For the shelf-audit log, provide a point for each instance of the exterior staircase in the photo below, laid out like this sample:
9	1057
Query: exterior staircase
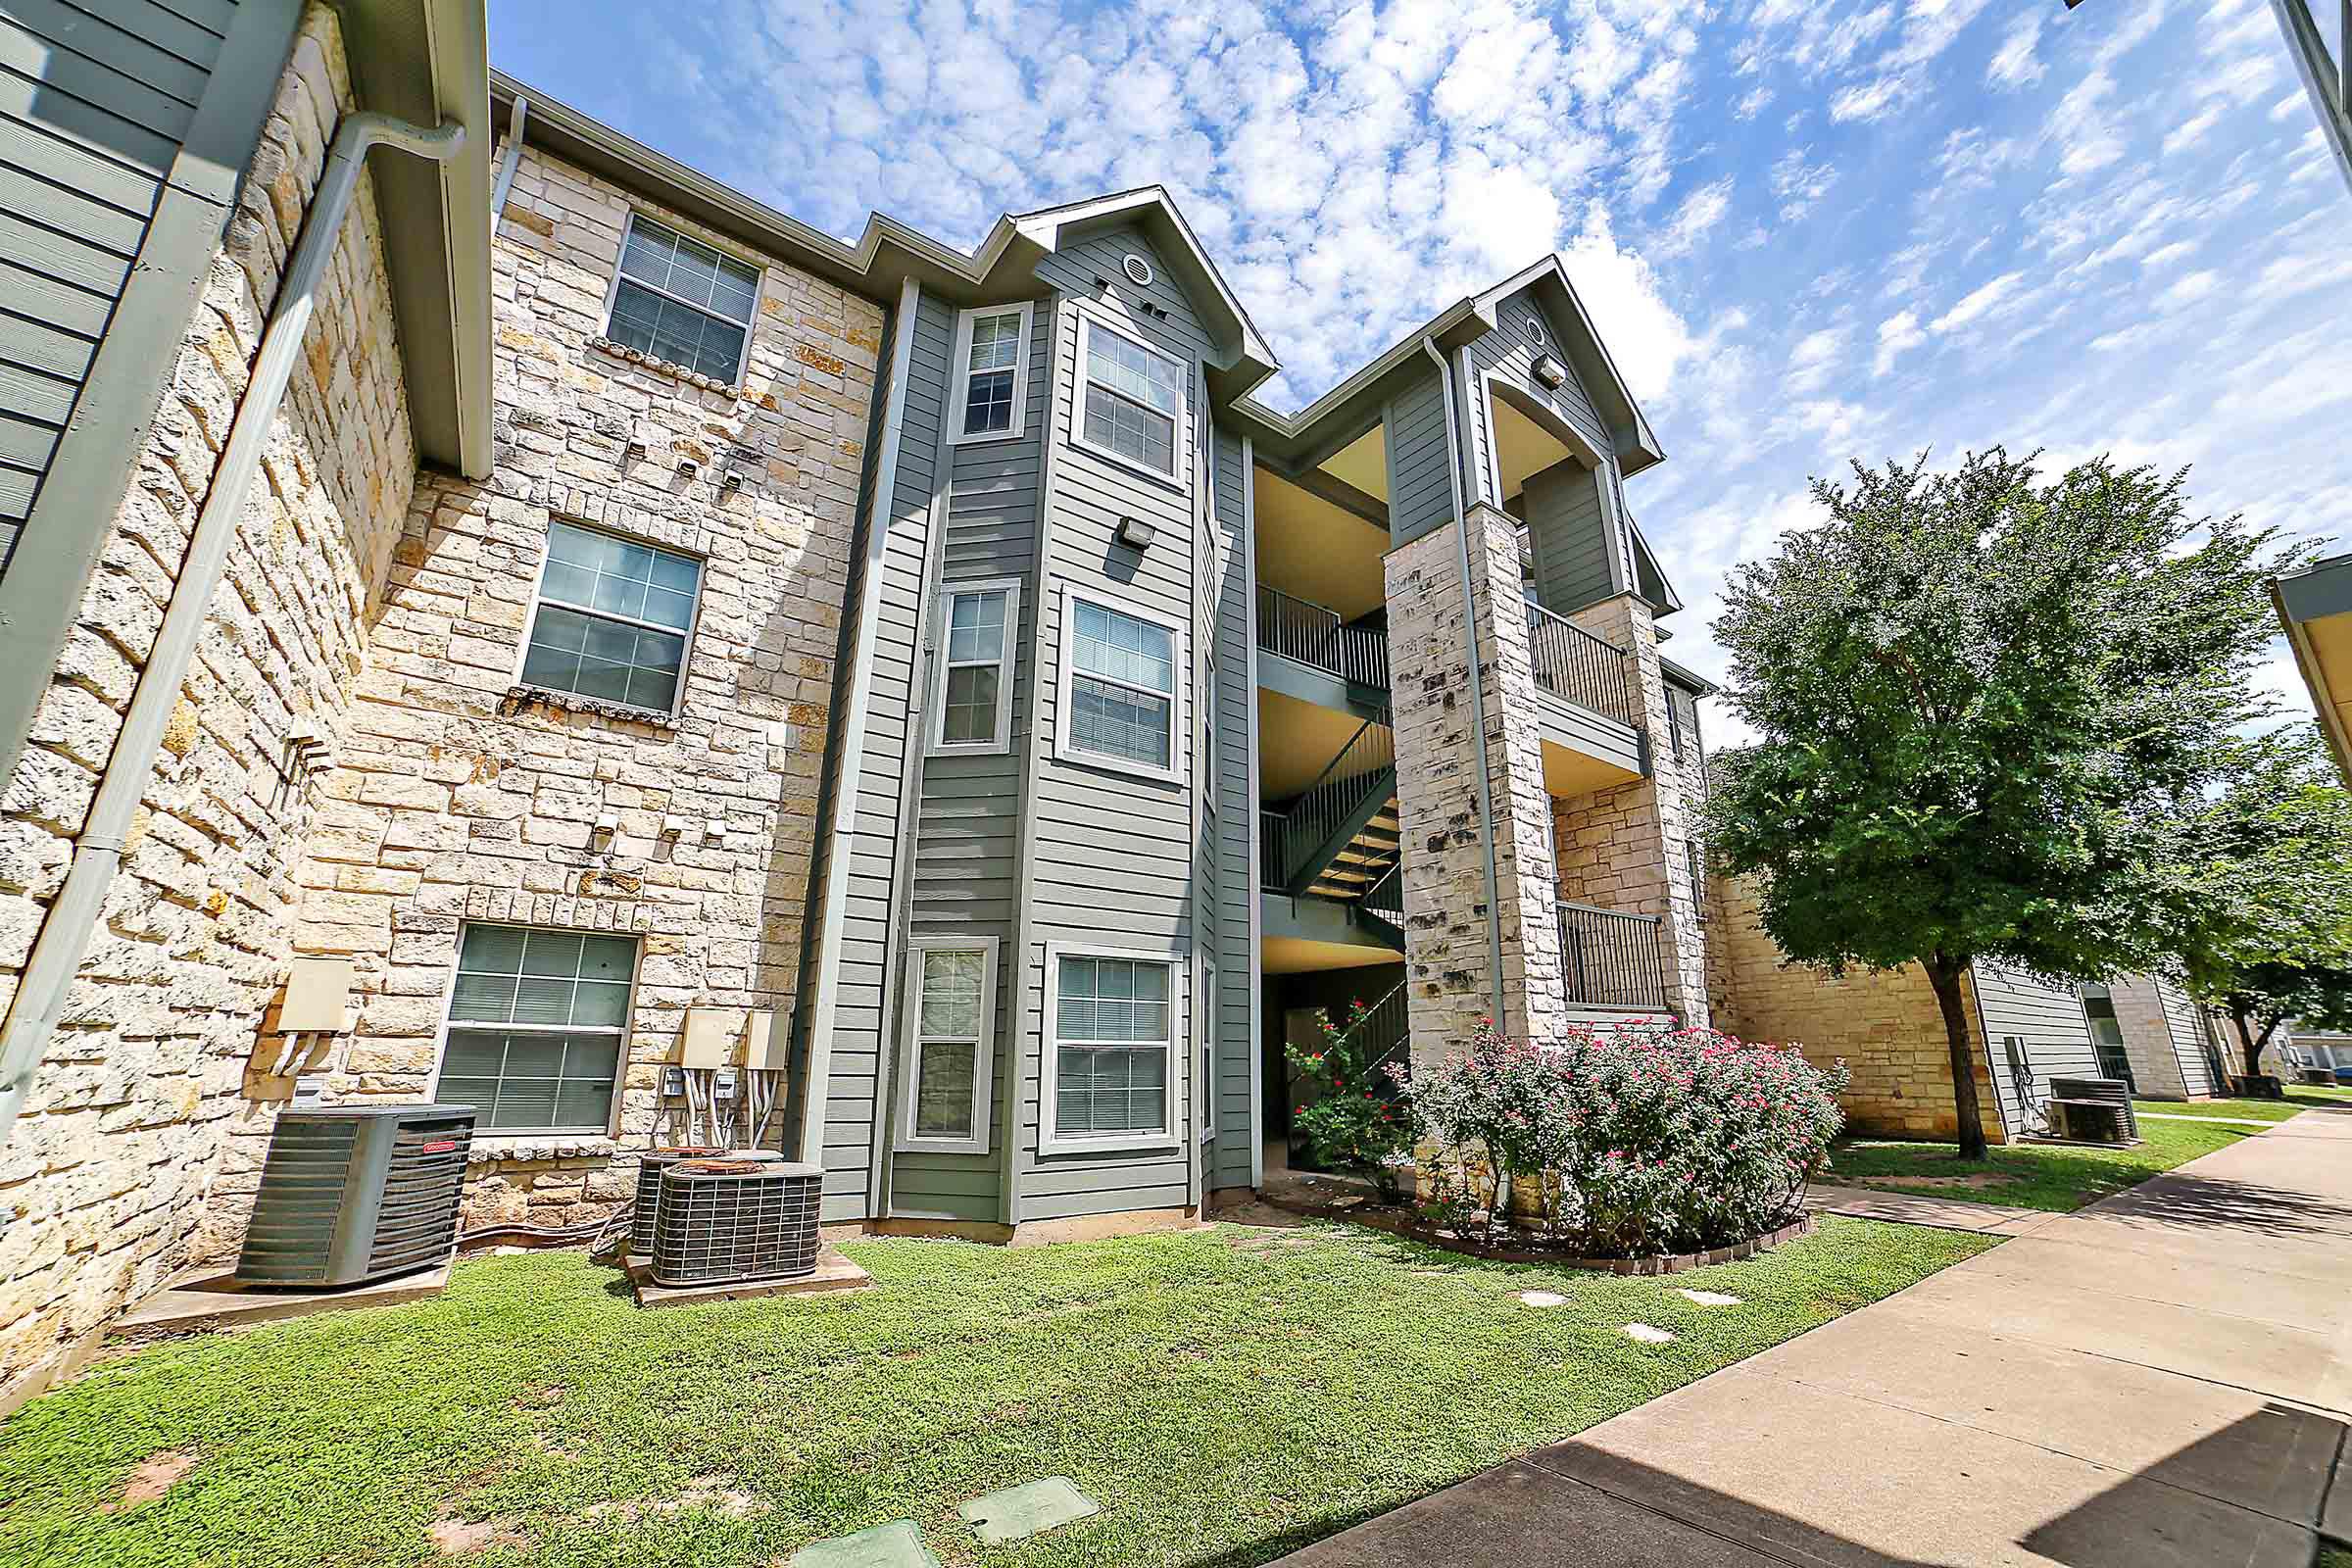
1340	838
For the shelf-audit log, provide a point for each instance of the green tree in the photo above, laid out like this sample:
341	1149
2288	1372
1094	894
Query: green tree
2271	936
1986	705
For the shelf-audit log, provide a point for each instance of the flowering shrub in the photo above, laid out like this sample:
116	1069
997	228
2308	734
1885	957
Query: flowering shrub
1642	1138
1352	1121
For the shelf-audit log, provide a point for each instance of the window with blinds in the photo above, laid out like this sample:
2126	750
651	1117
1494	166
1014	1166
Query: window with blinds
537	1021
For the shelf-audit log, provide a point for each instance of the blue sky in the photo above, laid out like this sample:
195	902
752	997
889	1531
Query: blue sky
1808	229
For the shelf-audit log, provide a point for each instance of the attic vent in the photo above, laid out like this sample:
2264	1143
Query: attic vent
1533	330
1138	271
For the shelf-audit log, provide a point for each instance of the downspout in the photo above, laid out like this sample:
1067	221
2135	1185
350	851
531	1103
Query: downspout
507	159
65	936
1478	701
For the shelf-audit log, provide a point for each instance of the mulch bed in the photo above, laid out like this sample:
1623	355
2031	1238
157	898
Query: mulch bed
1409	1223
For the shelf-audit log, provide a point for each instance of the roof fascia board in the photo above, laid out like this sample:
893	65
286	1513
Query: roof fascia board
1286	436
428	62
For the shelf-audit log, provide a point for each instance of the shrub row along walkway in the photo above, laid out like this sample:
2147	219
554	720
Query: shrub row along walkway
2160	1380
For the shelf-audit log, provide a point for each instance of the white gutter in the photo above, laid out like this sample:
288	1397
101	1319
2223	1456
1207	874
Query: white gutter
507	159
65	936
1478	702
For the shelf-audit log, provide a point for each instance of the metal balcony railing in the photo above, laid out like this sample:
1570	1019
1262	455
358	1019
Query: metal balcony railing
1572	662
1610	958
1318	638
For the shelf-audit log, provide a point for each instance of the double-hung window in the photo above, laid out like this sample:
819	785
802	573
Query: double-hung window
950	1060
614	618
1134	400
537	1022
973	710
679	300
1119	688
992	361
1111	1061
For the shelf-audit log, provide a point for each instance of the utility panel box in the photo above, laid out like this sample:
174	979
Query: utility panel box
318	997
357	1192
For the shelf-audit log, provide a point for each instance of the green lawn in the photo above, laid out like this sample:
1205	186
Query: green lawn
2054	1176
2297	1102
1226	1394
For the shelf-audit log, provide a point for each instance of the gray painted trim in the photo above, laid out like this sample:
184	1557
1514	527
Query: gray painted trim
2323	588
891	990
1478	702
1257	947
824	966
1027	1022
98	451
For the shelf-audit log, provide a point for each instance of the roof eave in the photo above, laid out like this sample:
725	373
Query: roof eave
429	62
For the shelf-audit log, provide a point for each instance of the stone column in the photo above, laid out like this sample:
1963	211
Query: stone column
1636	837
1448	959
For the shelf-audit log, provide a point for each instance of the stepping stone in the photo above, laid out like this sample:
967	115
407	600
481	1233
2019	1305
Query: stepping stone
1027	1510
1543	1298
1708	1298
1648	1334
896	1545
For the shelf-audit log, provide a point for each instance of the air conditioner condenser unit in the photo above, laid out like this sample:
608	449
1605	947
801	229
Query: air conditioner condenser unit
351	1194
724	1221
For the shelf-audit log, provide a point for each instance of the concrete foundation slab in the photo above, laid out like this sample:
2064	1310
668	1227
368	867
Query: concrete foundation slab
833	1273
219	1302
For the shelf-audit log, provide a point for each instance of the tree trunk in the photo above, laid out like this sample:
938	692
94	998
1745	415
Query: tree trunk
2249	1047
1943	974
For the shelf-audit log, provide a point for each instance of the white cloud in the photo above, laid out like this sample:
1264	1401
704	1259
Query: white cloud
1977	304
1696	218
1645	335
2191	131
1751	103
1799	183
2014	64
1811	361
1896	333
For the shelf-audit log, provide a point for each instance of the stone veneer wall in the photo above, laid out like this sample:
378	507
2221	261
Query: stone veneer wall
1884	1027
1447	961
1627	847
2147	1037
104	1185
459	795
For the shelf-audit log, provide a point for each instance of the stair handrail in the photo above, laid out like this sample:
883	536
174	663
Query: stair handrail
1374	753
1380	1011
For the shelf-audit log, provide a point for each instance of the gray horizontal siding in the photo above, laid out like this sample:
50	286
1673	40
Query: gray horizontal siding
1420	487
1568	529
2047	1018
868	953
2186	1025
95	98
1113	857
1233	1006
967	831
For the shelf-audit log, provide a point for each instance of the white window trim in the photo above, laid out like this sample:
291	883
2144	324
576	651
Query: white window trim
984	1057
1050	1142
1179	474
1066	749
743	367
963	376
627	1031
694	623
1002	740
1207	1063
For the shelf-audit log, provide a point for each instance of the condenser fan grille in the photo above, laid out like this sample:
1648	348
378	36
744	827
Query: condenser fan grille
721	1221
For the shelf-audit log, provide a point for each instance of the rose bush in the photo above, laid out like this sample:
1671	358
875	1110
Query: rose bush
1639	1139
1347	1116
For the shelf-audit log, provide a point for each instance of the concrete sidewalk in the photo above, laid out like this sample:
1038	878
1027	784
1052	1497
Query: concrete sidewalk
2159	1380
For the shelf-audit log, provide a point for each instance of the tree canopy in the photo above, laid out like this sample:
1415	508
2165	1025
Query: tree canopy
2271	937
1987	704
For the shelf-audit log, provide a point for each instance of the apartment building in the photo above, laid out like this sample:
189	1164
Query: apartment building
564	601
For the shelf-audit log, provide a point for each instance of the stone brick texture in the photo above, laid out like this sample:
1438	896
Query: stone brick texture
105	1185
1450	968
1627	847
384	612
1886	1027
2148	1037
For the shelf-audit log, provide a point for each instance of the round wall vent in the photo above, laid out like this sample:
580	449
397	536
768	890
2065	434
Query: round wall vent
1534	330
1138	271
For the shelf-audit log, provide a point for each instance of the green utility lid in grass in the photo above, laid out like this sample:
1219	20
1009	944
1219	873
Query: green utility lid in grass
896	1545
1025	1511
